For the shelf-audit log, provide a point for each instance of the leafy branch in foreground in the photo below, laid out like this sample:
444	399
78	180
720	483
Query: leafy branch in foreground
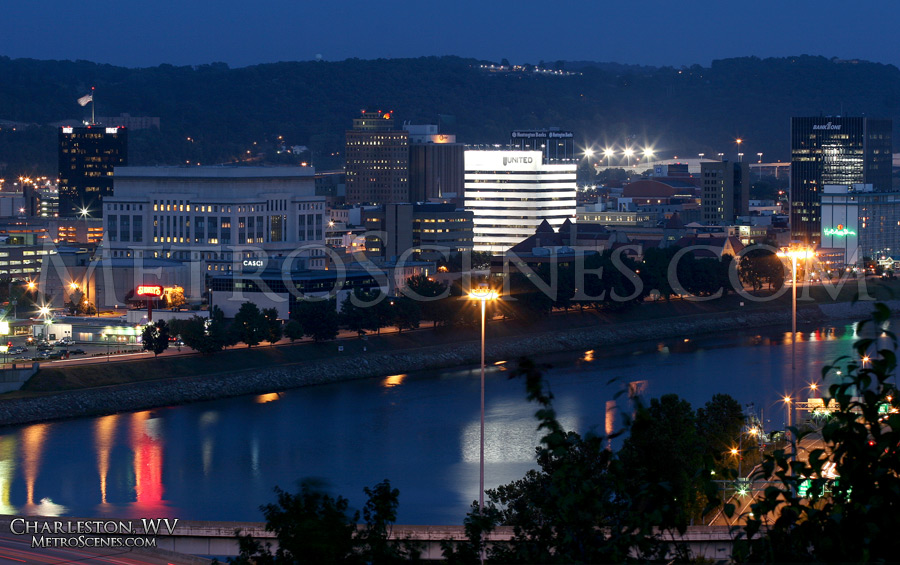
842	502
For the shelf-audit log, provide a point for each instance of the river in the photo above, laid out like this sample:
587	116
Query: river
220	460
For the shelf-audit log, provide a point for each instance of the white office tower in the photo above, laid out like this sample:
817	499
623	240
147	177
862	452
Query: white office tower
512	192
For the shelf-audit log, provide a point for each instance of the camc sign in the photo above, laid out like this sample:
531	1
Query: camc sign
149	290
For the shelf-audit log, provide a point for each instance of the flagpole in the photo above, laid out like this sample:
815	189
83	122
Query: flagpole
93	121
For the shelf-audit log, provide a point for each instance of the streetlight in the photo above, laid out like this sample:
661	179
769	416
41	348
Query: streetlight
721	156
701	155
740	157
648	152
759	162
794	254
608	153
739	141
105	336
483	294
628	152
588	153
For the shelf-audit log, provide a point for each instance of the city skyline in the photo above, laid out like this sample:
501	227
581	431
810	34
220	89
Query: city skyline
188	34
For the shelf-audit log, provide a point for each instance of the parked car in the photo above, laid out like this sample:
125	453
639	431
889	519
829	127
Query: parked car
76	352
44	347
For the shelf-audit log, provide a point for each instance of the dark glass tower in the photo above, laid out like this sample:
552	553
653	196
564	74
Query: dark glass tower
841	151
87	156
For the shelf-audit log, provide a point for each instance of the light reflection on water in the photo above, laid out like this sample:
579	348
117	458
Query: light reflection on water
220	460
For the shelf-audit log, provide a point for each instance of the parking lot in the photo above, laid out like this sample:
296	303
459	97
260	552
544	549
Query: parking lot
27	351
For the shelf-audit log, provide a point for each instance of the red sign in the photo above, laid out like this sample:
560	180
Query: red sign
149	290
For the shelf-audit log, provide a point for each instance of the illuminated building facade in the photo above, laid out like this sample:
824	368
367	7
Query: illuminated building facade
214	216
860	221
834	151
376	160
87	156
512	192
431	230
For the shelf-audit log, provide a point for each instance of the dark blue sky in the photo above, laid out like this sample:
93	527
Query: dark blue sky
245	32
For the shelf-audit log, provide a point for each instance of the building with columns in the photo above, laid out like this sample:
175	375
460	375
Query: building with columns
216	215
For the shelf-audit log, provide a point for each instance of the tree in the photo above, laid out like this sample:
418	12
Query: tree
319	318
314	527
853	517
155	337
356	318
720	423
663	447
426	292
250	324
204	335
274	330
406	314
311	526
759	267
79	305
175	297
293	330
655	270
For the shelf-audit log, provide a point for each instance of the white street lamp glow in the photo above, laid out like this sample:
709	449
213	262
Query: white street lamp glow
588	152
628	152
482	293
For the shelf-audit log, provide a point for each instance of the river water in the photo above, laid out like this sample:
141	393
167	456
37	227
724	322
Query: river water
220	460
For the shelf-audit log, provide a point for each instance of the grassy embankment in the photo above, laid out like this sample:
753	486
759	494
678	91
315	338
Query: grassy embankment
59	378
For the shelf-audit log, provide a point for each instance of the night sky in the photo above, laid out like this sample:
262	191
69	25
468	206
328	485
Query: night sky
239	32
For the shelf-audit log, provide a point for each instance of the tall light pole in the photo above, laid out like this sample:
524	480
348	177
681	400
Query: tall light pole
759	164
721	156
629	152
794	254
739	141
483	294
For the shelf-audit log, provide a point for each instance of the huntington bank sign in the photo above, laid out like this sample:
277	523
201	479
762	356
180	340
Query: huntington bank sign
839	231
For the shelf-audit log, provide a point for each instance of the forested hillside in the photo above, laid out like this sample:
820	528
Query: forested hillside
224	111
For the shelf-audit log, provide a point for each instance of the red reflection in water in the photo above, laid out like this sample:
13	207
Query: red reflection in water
147	445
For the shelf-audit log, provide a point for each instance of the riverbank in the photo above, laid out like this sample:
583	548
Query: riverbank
359	361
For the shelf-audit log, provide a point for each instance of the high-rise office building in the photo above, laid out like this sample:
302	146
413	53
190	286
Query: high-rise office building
377	160
436	165
512	192
87	156
834	151
725	191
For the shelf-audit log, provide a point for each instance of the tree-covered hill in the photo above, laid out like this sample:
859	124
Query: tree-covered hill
224	111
